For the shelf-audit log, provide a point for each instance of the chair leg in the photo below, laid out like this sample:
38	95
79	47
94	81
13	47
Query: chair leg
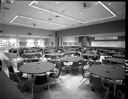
61	80
107	93
81	79
83	82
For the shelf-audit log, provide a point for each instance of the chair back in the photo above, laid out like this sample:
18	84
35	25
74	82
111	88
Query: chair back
56	74
96	82
84	63
12	75
19	64
85	73
11	69
75	64
59	71
59	64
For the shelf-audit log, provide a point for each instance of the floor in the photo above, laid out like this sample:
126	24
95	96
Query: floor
69	89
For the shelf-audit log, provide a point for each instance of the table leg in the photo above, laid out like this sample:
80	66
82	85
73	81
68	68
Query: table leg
32	85
114	87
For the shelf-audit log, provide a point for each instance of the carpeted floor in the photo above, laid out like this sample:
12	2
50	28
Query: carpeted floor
69	89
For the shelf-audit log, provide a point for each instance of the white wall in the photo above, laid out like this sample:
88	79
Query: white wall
71	41
18	30
108	44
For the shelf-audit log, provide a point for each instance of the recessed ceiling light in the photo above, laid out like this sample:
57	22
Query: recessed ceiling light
81	12
34	24
109	3
57	2
57	16
49	18
96	3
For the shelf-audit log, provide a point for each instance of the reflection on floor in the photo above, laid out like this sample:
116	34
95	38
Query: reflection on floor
68	90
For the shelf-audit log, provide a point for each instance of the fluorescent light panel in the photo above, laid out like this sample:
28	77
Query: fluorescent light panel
41	36
114	15
13	19
107	8
35	19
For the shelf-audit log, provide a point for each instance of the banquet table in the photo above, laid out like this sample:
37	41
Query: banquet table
118	56
90	55
114	72
55	54
71	59
33	53
70	52
36	68
112	52
115	60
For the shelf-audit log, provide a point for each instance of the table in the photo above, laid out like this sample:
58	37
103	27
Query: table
55	54
71	52
90	55
108	71
112	52
33	53
116	60
118	56
71	59
36	68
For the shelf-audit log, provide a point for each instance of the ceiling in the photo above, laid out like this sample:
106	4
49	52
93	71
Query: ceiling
60	15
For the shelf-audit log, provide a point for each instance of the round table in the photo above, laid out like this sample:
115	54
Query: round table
71	59
112	52
89	55
116	60
71	52
36	68
114	72
118	56
108	71
55	54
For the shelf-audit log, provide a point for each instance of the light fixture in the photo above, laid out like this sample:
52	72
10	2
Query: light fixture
13	19
114	15
109	3
57	2
34	24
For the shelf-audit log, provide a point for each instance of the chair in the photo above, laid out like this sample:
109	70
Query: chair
59	64
16	78
85	74
19	64
75	67
54	76
99	61
98	85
